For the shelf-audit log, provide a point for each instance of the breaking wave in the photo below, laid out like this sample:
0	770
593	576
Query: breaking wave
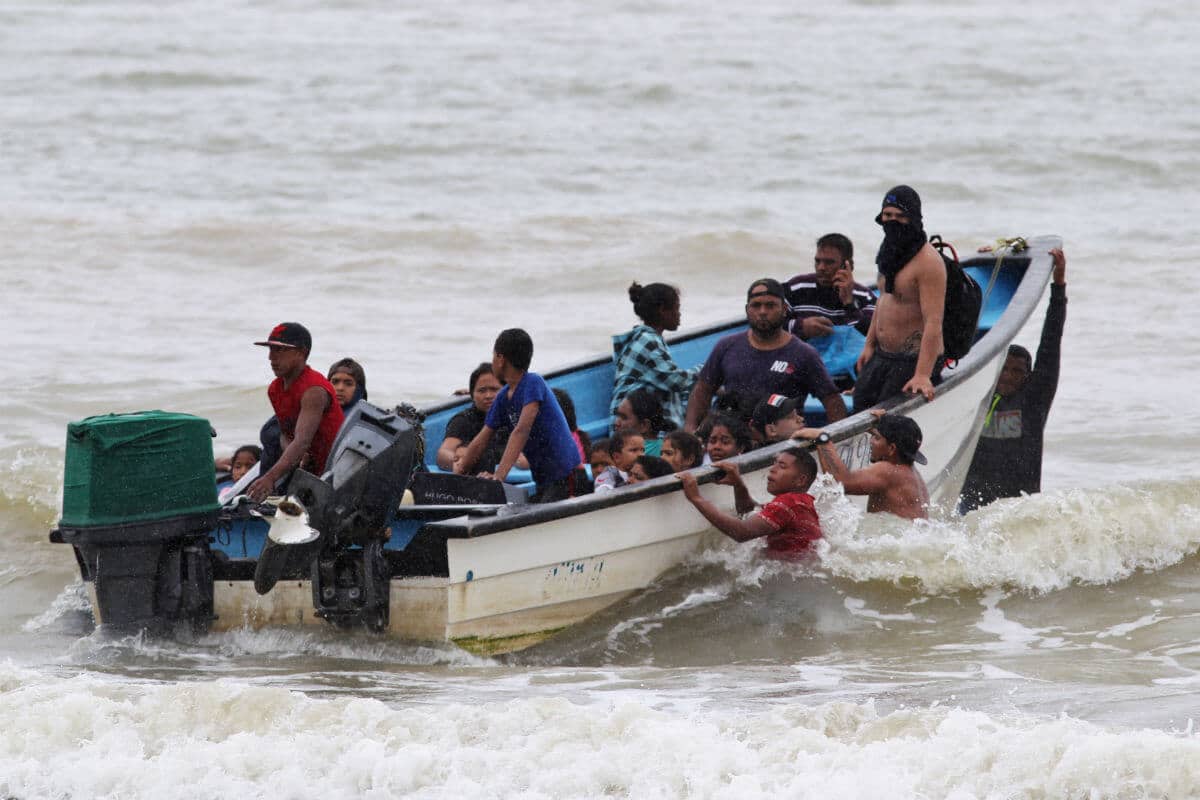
1038	543
227	739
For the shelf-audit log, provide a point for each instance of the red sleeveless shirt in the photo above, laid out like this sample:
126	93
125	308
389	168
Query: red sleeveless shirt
286	403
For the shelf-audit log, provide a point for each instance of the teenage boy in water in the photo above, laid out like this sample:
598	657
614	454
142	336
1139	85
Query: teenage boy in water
305	404
789	520
891	482
527	408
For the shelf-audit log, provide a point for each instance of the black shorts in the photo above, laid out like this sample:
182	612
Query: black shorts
885	375
575	484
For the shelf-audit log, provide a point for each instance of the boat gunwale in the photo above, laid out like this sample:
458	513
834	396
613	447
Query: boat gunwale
1019	309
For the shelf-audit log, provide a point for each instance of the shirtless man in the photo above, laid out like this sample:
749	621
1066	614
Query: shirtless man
903	351
891	483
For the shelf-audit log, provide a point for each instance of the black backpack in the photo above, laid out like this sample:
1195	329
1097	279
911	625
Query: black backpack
964	302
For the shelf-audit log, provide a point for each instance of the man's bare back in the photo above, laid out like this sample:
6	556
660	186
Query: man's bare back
901	491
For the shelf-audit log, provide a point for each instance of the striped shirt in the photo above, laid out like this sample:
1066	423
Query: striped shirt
808	299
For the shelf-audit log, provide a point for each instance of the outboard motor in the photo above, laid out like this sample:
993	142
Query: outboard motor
139	501
352	505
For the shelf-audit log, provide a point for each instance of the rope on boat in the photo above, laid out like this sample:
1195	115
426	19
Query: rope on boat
1016	244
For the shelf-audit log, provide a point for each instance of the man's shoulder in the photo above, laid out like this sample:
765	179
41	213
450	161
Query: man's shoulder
804	280
793	499
729	341
798	348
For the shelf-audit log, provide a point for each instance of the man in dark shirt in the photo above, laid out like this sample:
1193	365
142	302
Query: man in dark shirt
764	360
829	296
1008	458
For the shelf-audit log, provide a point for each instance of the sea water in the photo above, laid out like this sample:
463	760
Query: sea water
409	179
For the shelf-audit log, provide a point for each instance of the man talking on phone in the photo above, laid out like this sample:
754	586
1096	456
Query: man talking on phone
829	296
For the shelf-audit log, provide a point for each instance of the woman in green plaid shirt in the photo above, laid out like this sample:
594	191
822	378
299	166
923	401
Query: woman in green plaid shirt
641	356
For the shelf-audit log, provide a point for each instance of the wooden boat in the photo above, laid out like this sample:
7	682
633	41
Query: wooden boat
495	577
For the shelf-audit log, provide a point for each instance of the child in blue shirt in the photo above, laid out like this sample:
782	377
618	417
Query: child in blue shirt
527	408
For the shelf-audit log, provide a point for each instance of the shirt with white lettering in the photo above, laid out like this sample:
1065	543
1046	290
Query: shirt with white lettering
794	370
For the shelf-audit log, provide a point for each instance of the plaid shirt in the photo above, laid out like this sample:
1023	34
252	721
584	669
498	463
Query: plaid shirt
643	360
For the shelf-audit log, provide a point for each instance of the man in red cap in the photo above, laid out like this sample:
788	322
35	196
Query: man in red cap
305	405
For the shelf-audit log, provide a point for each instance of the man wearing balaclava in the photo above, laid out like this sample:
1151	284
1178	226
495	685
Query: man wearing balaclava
903	352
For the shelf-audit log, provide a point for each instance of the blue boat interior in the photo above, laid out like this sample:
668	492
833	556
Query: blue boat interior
590	385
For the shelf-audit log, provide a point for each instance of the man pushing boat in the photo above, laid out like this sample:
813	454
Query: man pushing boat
789	521
891	482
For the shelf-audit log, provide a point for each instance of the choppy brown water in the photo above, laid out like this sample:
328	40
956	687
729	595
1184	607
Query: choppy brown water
408	181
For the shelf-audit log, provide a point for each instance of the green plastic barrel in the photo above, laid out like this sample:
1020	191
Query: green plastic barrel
138	467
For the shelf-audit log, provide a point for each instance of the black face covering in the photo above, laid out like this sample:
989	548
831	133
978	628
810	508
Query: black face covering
901	242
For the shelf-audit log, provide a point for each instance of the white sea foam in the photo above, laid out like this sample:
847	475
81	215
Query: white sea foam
73	600
224	739
1037	543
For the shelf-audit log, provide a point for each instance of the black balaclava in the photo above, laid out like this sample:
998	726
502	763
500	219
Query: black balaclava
901	242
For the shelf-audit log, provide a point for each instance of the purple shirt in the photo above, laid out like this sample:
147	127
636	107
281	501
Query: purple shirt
794	370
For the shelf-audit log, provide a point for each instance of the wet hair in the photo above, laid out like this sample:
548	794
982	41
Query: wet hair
516	347
655	467
688	445
568	408
805	461
252	449
616	442
1023	354
354	370
838	242
735	425
647	406
649	302
484	368
599	444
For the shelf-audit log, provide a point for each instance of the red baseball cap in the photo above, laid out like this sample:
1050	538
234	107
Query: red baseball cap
288	334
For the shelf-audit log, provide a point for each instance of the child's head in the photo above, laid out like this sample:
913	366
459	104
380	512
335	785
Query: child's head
728	436
598	456
648	467
624	448
349	381
512	352
243	459
641	411
682	450
794	470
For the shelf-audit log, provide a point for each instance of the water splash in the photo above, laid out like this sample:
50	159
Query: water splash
1038	544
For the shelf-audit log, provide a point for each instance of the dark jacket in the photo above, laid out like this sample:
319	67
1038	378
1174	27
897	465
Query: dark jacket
1008	458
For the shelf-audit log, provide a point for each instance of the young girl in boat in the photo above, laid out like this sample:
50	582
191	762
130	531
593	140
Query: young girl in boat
682	450
648	468
641	357
624	448
725	436
642	413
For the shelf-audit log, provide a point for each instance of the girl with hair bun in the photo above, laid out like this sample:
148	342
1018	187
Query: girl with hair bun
641	356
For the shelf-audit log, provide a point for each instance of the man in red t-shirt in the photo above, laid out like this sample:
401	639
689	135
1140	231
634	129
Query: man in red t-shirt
305	405
789	521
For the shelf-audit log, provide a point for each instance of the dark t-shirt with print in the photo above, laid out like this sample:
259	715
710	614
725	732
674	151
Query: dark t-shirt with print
794	370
